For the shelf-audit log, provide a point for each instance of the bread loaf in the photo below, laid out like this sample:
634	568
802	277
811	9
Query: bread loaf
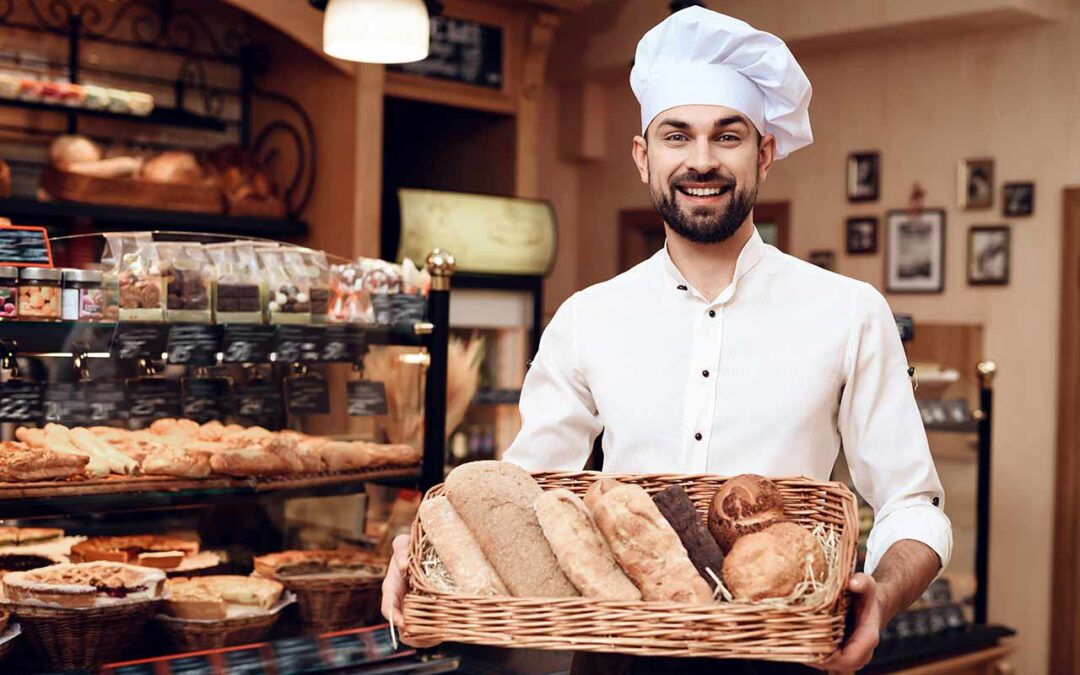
581	550
495	500
458	550
769	564
743	505
598	488
647	548
679	511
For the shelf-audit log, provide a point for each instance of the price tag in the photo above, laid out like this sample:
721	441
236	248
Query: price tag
298	655
259	402
194	344
207	398
20	401
307	395
140	340
245	662
136	669
299	344
343	343
366	398
25	246
153	398
65	403
106	400
247	343
190	665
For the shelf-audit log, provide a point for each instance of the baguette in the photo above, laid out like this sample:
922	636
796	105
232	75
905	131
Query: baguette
88	442
458	550
37	438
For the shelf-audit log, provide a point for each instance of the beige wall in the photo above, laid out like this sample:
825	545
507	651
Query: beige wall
925	103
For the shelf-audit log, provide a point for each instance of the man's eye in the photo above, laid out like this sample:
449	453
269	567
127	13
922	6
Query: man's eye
728	138
676	138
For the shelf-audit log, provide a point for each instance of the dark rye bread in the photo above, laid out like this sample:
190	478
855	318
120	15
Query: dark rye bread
677	509
495	499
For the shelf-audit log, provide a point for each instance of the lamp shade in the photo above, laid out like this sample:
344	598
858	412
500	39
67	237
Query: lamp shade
376	31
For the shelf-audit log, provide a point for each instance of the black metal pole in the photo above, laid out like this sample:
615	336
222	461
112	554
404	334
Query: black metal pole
984	417
247	86
73	64
440	265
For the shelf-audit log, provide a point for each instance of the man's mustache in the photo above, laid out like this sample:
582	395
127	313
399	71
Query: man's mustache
698	178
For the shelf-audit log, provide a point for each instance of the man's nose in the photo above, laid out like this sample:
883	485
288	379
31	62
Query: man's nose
702	159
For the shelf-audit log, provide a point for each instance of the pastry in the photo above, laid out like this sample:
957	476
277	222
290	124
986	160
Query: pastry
173	167
679	511
148	550
9	536
252	461
38	535
20	462
647	548
21	562
180	462
289	564
54	441
66	150
220	597
495	500
458	550
88	442
84	584
175	427
743	505
583	554
770	563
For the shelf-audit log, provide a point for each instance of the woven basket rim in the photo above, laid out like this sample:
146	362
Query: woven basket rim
38	610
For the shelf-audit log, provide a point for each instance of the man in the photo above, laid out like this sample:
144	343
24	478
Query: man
721	354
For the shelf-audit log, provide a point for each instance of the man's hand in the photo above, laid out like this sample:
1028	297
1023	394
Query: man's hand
859	648
393	586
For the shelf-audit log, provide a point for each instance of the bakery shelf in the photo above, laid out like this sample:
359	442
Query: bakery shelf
27	211
170	117
120	493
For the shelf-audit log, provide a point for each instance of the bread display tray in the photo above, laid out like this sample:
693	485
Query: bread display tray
775	632
76	187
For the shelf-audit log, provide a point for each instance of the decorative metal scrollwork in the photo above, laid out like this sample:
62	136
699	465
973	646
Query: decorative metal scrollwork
267	149
193	74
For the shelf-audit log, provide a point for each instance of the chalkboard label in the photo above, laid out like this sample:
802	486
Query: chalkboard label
245	662
366	398
258	402
20	401
194	344
153	398
298	655
25	246
461	51
207	398
244	343
140	340
343	343
299	344
307	395
65	403
136	669
106	400
190	665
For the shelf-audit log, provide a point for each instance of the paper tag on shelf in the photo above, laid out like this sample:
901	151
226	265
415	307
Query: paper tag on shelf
207	398
307	395
194	344
247	343
366	398
20	401
153	398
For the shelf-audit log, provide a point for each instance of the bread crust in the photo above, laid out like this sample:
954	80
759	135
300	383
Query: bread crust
704	552
770	563
458	550
743	505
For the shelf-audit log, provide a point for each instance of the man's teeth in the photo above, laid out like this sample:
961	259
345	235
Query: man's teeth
702	192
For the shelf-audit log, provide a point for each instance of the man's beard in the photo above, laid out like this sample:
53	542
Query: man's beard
704	225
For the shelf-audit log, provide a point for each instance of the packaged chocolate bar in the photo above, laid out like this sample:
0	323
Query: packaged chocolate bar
239	296
188	275
382	280
317	270
140	282
288	300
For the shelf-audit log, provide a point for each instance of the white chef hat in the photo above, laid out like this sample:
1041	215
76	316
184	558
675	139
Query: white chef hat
701	57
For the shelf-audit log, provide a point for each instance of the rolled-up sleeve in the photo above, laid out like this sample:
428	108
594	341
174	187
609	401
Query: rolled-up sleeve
559	421
884	439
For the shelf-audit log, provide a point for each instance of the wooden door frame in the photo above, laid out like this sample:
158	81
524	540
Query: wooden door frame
779	213
1065	600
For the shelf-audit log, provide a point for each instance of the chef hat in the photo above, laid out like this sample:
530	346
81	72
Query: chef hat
701	57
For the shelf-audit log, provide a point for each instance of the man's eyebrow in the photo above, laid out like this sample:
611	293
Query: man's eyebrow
731	119
671	122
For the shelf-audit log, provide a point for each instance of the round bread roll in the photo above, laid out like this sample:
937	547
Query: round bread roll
66	150
173	167
770	563
743	505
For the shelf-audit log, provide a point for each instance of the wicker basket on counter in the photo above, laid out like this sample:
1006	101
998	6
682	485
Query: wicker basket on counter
77	187
794	633
192	636
335	603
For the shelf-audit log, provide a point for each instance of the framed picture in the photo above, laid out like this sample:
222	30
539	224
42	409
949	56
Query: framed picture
975	183
989	251
1018	199
915	251
863	176
824	259
862	235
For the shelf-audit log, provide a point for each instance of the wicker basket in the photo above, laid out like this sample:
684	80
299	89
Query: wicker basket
335	603
727	630
66	638
191	636
7	644
130	192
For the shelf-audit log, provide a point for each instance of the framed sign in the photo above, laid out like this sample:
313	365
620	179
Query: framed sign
25	246
915	252
460	50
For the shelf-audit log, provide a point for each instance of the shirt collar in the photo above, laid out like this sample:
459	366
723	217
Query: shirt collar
752	252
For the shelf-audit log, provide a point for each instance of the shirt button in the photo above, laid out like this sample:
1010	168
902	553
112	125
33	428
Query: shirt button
697	436
936	501
704	373
712	313
682	287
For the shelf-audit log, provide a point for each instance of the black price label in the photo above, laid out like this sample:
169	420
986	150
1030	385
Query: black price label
194	344
905	323
106	400
299	344
366	398
247	343
258	401
207	398
190	665
298	655
65	403
20	401
137	669
245	662
343	343
140	340
153	398
307	395
25	246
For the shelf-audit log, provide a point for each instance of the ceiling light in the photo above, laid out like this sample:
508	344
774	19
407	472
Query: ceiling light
376	31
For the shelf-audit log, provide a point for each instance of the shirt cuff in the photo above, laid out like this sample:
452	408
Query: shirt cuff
922	522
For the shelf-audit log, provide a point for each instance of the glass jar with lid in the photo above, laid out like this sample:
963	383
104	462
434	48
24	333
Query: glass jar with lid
84	298
39	293
9	291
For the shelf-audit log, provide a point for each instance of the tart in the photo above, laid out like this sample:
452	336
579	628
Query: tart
289	564
82	585
146	550
22	562
220	597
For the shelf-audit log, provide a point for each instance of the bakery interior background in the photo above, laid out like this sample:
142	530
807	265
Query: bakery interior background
906	93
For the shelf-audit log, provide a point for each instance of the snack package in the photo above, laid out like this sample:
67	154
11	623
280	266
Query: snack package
141	285
288	300
317	270
110	276
239	296
349	300
382	280
188	276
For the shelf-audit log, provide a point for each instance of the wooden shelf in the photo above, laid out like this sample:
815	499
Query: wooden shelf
170	117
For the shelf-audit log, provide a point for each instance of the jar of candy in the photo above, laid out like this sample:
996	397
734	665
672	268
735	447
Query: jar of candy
84	298
9	291
39	293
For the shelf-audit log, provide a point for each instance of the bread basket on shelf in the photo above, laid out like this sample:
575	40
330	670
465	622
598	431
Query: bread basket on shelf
328	604
77	187
805	632
201	635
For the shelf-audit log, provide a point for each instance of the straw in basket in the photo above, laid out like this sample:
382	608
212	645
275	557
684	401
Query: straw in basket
805	632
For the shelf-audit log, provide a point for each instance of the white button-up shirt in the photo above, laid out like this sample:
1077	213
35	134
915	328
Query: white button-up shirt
786	366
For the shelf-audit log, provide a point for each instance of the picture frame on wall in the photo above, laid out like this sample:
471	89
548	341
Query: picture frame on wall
1017	199
915	251
826	260
862	235
863	176
975	183
989	255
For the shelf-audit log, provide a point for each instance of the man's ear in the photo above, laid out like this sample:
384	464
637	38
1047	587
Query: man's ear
640	153
766	155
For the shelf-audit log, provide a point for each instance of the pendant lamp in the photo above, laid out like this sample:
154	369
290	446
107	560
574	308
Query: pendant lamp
376	31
